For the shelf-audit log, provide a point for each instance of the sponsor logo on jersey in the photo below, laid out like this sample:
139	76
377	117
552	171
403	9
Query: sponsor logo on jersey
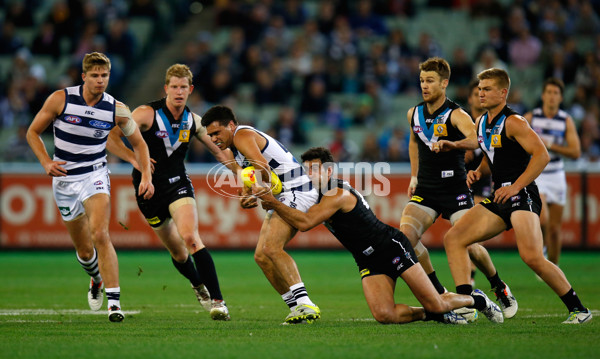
100	124
368	251
417	129
461	197
480	139
446	174
174	179
416	198
98	183
161	134
73	119
153	220
515	198
365	272
396	260
487	200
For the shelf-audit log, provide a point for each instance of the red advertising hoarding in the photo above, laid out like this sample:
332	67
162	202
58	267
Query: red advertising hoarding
30	219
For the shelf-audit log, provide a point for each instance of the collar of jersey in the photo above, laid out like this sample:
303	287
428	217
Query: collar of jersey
173	135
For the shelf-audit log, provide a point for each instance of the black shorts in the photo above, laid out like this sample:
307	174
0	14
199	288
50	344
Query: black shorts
528	199
156	209
443	201
397	255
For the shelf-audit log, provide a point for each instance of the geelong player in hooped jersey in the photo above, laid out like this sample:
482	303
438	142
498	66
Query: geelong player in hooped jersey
382	253
168	126
441	132
82	117
514	156
557	130
249	146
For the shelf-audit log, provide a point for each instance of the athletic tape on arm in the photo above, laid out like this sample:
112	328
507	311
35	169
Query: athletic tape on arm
200	130
122	110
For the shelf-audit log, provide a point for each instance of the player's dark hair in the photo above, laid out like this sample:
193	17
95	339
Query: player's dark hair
317	153
556	82
437	65
219	113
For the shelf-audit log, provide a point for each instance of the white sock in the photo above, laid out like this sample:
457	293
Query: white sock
91	266
300	294
113	295
289	299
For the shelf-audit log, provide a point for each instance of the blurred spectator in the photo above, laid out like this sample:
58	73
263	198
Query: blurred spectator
316	41
62	19
395	145
370	149
256	22
252	61
286	128
363	115
293	13
487	8
342	149
220	87
86	39
299	60
365	22
524	50
427	47
462	70
515	100
342	41
559	69
13	108
266	91
120	41
495	42
143	8
587	21
236	46
17	149
396	46
315	100
334	116
488	59
351	77
326	17
590	134
10	42
400	8
19	14
46	42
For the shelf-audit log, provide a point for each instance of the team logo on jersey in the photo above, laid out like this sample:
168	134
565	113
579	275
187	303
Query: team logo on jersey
98	183
417	129
480	139
184	136
161	134
100	124
461	197
73	119
98	133
396	260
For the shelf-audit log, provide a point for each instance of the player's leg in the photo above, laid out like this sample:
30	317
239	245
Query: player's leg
97	209
415	220
185	216
545	221
379	293
552	236
529	243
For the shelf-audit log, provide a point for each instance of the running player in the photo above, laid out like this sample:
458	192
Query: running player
558	133
441	132
82	117
167	126
249	146
514	156
382	253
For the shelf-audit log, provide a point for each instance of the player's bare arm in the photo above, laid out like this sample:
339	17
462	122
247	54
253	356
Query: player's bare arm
50	110
129	127
461	120
247	142
413	154
518	129
334	200
572	149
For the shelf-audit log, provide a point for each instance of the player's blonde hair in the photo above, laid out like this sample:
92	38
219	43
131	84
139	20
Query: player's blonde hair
179	70
94	59
499	75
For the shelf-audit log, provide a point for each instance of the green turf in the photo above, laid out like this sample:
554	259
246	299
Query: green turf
171	324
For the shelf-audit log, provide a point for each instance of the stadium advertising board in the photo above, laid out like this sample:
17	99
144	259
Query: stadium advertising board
30	219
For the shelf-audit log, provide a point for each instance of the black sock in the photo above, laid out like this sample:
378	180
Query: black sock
467	289
496	283
436	282
433	316
572	301
188	270
208	273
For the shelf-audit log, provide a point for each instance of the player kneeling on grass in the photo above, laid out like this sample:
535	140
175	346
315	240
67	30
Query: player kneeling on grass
382	252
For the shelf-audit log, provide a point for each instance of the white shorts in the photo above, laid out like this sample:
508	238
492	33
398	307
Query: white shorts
70	195
554	186
300	200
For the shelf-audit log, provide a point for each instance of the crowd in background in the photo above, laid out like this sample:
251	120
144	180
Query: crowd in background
301	57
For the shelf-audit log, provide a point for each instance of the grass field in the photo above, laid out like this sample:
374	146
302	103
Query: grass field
44	312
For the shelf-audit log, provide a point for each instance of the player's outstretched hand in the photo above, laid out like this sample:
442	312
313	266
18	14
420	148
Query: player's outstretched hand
146	189
247	200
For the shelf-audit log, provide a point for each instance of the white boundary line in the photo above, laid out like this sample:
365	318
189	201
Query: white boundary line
17	312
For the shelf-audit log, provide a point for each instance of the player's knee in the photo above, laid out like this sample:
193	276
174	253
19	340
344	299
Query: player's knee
260	258
434	305
86	253
271	251
532	259
450	238
100	236
385	315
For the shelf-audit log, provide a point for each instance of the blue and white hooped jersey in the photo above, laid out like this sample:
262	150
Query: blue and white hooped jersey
81	131
282	162
552	129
